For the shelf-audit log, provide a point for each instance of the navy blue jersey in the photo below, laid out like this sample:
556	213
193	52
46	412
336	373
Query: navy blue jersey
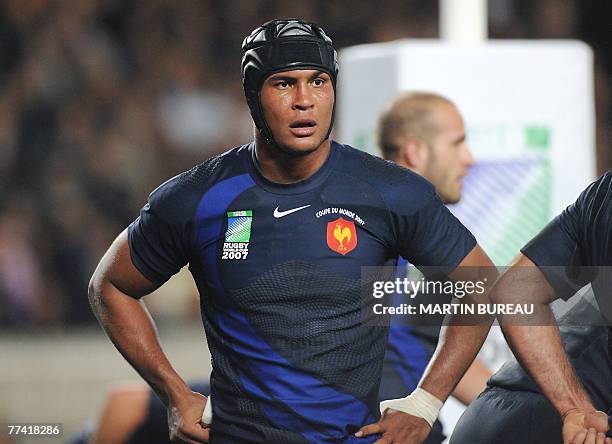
585	342
575	242
278	268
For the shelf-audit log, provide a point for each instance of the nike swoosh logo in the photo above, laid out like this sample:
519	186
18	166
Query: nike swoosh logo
279	214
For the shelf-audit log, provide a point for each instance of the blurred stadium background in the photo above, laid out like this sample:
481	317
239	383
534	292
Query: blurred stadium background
102	100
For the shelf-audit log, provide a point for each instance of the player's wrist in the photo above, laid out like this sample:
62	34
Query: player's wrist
419	403
581	406
175	392
578	411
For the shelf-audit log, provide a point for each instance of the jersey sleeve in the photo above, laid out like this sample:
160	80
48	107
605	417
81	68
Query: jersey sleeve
428	233
565	245
160	237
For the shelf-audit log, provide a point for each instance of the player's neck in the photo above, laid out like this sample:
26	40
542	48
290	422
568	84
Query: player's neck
281	167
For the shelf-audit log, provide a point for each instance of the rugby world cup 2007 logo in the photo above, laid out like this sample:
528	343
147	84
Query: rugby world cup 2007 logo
237	235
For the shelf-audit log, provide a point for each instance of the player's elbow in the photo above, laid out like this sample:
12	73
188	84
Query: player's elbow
91	288
95	293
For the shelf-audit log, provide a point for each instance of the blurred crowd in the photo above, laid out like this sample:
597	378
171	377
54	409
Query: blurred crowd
101	100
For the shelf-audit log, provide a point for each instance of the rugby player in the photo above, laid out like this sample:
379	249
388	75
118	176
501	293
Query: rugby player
420	131
560	260
425	132
570	252
276	233
512	397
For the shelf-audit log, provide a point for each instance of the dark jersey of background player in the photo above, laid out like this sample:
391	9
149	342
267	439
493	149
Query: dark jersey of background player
512	409
411	344
571	247
278	268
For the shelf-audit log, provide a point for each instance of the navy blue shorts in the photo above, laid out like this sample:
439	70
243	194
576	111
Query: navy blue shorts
500	416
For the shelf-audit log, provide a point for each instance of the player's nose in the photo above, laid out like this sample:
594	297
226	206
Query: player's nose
468	157
303	98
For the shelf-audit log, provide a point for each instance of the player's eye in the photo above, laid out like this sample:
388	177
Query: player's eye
282	84
318	81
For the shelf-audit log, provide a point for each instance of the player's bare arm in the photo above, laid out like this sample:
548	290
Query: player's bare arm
460	341
114	292
457	348
540	351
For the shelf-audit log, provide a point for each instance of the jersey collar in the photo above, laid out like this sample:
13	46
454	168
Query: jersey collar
303	186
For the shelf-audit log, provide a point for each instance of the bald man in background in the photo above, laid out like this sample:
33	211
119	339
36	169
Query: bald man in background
424	132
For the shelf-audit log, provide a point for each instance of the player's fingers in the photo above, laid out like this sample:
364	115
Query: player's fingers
197	433
370	429
591	436
579	437
601	438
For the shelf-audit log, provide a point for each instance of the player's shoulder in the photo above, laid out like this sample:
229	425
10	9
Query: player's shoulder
397	185
181	193
382	172
596	196
600	190
606	178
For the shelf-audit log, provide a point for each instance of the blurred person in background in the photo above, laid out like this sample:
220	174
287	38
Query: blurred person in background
425	132
20	278
132	414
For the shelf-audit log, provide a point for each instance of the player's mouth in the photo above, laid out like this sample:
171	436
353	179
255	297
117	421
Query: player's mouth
461	177
303	127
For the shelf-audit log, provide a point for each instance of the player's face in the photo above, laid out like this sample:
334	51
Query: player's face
449	158
298	106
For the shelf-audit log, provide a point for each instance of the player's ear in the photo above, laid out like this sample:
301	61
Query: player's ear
414	154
